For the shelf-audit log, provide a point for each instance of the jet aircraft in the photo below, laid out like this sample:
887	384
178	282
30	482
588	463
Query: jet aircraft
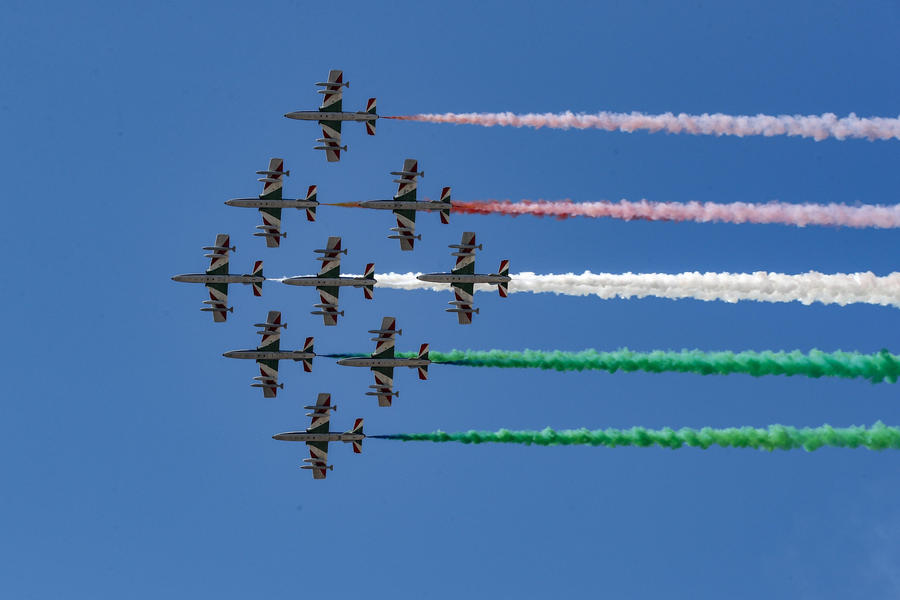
330	116
270	202
382	361
405	205
268	353
329	281
317	436
463	278
217	278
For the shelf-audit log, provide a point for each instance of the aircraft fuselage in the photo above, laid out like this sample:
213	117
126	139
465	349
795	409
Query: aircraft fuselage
312	280
260	203
406	205
384	362
317	115
305	436
459	278
204	278
270	355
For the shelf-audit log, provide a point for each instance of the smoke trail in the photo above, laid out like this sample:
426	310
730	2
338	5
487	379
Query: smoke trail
818	127
774	437
878	367
807	288
801	215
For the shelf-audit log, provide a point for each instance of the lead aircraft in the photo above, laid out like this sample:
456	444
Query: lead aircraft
270	202
330	116
463	278
268	353
382	361
317	436
329	281
217	278
405	205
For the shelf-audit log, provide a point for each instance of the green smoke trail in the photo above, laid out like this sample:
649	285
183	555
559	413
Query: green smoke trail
878	367
774	437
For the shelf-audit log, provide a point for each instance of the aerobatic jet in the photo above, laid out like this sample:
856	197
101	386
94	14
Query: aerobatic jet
405	205
318	434
270	202
217	278
329	281
463	278
382	361
268	353
330	115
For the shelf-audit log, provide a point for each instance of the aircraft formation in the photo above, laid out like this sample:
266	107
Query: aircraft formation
328	282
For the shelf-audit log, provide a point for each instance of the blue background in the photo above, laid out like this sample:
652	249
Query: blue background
137	461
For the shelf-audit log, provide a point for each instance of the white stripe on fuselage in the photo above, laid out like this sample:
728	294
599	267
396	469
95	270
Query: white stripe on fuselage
329	281
407	205
272	355
303	436
260	203
315	115
454	278
204	278
384	362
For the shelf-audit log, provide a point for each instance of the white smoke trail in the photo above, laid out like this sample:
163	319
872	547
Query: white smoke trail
817	127
801	215
806	288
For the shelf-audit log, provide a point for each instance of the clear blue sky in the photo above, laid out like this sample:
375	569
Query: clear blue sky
137	461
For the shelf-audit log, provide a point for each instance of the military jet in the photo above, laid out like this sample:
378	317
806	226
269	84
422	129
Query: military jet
317	436
405	205
463	278
268	353
329	281
217	278
382	361
270	202
330	115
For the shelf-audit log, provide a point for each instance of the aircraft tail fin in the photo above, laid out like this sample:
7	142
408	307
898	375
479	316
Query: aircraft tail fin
503	287
311	194
370	109
445	213
257	272
369	290
423	355
357	429
308	347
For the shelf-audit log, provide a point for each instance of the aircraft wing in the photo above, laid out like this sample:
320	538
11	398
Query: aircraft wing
270	332
464	293
384	343
329	303
331	258
331	140
332	91
384	385
465	254
406	228
267	378
318	459
218	301
218	255
273	184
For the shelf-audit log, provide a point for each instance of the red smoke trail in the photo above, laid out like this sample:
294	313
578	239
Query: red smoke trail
817	127
841	215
